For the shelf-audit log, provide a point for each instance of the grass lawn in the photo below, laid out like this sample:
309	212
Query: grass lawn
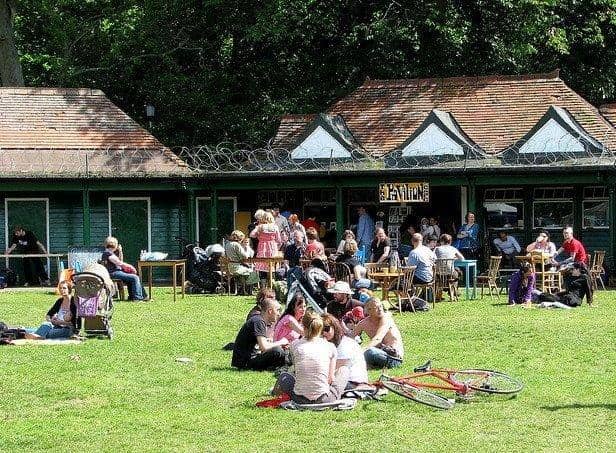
131	394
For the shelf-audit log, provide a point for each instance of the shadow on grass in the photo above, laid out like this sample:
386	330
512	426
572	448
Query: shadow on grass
581	406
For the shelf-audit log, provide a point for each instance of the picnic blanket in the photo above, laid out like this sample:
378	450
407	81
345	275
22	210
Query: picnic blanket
57	341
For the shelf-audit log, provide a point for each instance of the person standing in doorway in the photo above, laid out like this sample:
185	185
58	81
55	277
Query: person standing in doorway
27	243
365	228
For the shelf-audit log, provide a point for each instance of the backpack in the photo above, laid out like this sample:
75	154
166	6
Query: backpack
418	304
8	277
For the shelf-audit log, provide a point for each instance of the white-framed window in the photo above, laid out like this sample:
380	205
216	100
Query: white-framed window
505	208
553	207
595	208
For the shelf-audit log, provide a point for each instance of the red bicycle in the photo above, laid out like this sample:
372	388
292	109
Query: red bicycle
462	382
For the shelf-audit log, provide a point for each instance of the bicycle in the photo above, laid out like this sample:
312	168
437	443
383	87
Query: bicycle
462	382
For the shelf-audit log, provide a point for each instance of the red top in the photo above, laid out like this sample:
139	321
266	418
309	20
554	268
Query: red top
308	223
575	246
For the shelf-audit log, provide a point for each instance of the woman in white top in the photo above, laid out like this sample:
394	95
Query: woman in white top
349	352
316	378
542	244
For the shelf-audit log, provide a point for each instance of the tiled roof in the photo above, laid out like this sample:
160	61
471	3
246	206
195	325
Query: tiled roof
494	111
609	111
39	126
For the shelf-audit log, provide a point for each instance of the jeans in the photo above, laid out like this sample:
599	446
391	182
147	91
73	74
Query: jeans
48	330
135	290
377	358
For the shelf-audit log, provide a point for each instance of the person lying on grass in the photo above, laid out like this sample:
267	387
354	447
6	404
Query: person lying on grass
316	379
385	347
61	319
270	354
349	352
577	286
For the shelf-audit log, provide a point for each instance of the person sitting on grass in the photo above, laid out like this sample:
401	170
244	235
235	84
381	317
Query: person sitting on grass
316	379
522	285
349	352
61	320
120	270
343	302
270	354
385	347
289	325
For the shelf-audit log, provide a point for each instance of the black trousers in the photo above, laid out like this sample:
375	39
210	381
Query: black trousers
268	360
34	271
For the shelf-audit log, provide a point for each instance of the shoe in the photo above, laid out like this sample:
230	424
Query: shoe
26	284
46	283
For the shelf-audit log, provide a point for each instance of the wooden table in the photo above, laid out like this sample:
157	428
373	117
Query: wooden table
173	264
272	262
385	278
57	256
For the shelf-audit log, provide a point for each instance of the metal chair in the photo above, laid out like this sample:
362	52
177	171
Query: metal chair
596	269
489	279
444	276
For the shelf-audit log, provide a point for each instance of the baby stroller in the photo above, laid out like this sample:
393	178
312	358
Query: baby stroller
203	268
93	296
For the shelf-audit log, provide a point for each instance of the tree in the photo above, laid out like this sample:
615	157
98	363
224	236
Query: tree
227	69
10	66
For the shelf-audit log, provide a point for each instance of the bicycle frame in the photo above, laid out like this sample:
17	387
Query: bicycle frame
445	379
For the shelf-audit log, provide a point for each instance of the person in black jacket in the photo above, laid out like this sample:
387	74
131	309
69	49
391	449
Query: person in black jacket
61	320
27	243
577	286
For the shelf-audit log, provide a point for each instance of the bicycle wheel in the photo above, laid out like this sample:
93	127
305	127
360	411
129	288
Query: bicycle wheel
418	395
489	381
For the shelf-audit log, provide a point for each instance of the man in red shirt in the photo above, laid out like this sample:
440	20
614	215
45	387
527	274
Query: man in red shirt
573	247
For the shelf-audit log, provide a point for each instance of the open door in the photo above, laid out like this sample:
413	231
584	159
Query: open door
33	215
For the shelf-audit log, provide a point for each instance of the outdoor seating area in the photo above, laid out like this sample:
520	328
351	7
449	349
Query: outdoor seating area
307	226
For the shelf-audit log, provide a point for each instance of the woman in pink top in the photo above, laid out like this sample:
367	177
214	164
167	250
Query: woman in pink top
268	235
288	326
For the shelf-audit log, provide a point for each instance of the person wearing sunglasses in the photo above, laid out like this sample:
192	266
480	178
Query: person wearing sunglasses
349	352
542	244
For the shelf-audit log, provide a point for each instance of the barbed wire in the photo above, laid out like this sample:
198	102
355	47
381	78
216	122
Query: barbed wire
233	159
228	158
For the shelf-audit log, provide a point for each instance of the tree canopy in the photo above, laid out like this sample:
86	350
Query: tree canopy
226	70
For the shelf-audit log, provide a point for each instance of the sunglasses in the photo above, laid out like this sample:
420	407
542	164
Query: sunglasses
327	328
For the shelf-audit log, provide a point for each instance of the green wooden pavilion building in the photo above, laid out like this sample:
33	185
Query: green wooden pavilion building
524	152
